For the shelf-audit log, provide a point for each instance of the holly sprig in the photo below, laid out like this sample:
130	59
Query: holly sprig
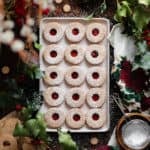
134	15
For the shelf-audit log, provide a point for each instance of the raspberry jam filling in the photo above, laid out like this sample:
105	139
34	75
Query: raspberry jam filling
95	117
53	53
53	32
76	117
55	95
75	96
95	31
53	75
74	53
95	97
94	54
74	75
55	116
95	75
75	31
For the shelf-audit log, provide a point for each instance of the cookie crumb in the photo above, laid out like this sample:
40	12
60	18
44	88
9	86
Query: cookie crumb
5	70
58	1
66	8
94	141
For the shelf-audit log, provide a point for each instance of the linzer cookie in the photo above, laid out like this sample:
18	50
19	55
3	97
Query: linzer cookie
75	32
96	97
95	54
53	96
75	97
74	76
75	118
95	118
96	76
74	54
53	32
95	32
53	54
53	75
54	117
8	142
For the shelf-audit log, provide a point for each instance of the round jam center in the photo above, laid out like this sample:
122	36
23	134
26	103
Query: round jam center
94	54
95	97
74	75
55	95
95	31
95	117
75	96
53	75
53	32
53	53
95	75
75	31
55	116
76	117
74	53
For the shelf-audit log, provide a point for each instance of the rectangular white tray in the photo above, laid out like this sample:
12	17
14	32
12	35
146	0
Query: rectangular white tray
84	43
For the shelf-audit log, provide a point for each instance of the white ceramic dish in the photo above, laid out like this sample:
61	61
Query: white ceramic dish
84	65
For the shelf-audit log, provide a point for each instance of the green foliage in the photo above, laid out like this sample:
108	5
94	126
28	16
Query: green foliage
33	71
34	128
37	46
141	17
144	2
10	94
123	10
134	13
33	106
115	148
66	141
142	58
99	10
129	94
116	75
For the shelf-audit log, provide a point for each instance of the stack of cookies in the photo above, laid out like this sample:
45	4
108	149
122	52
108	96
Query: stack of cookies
74	59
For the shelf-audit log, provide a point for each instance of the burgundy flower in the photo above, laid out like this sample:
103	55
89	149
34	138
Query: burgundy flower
145	103
103	147
146	35
135	80
126	65
20	11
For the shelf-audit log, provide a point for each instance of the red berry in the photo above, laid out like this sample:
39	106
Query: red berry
19	107
46	11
